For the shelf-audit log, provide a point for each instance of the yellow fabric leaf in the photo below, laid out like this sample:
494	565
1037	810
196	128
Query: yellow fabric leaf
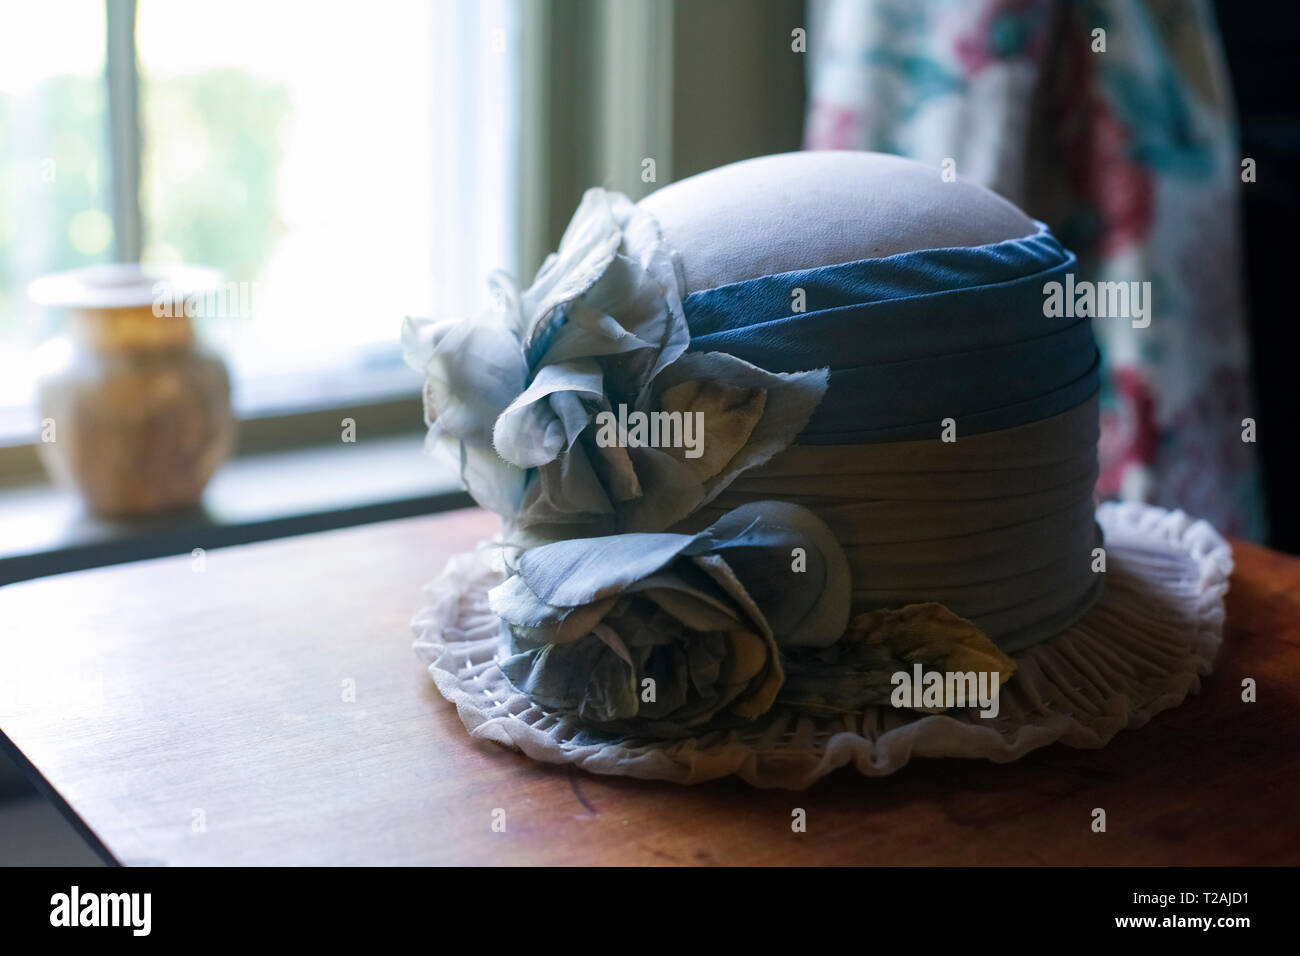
729	415
932	635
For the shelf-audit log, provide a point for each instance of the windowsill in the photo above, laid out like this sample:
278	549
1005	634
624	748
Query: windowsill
270	494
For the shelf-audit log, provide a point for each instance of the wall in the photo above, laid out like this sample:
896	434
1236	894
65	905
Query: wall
693	84
738	88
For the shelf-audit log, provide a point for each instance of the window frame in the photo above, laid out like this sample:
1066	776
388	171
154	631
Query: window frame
389	411
122	76
575	131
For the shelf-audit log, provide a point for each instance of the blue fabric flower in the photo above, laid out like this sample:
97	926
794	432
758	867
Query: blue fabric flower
515	396
663	633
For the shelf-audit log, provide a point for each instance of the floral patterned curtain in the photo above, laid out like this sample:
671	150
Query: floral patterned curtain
1112	121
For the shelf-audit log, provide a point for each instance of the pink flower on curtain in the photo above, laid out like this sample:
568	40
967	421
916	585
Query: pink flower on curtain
1122	190
830	126
1005	30
1095	144
1128	431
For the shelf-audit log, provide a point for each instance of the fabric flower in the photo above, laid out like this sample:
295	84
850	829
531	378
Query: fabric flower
601	331
858	671
744	414
472	370
662	633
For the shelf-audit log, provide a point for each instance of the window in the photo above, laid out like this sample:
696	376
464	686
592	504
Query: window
326	158
55	175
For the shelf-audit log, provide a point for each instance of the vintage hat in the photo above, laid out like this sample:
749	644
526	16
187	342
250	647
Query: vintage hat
795	464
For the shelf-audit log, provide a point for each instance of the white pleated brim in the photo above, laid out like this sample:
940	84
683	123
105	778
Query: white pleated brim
1142	649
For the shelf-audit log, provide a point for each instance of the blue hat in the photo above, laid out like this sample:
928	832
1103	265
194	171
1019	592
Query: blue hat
795	465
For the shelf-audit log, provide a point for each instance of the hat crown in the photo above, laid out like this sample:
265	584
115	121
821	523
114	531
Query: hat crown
797	211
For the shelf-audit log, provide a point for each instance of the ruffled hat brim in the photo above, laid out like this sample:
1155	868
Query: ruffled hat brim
1142	649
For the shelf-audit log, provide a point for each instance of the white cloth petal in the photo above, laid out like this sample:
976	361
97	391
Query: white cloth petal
586	250
539	424
495	484
473	370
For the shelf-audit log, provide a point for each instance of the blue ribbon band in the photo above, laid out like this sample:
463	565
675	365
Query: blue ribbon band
914	338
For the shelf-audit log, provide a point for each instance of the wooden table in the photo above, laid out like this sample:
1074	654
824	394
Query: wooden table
203	717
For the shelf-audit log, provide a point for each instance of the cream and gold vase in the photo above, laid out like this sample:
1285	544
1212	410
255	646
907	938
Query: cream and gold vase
137	414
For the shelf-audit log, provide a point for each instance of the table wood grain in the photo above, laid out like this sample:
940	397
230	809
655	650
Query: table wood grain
203	717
